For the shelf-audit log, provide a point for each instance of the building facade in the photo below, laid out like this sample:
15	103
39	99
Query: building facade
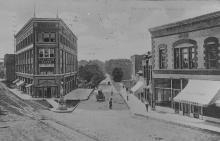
183	52
147	75
9	65
46	57
136	61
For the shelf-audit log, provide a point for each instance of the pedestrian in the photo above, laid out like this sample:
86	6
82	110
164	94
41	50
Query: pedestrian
110	103
146	104
127	97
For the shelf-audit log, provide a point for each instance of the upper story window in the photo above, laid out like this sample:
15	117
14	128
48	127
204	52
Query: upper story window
41	52
52	37
162	56
211	45
52	53
46	37
46	53
185	54
184	58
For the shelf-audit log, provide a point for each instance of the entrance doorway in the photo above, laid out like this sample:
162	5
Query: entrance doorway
48	92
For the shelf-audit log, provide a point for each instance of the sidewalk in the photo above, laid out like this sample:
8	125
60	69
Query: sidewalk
161	114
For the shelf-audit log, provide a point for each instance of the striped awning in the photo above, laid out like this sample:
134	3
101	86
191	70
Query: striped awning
200	92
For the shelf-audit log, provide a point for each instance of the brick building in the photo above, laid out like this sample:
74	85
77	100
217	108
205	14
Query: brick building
186	62
46	57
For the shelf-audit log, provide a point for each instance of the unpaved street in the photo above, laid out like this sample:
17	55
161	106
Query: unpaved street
96	120
90	121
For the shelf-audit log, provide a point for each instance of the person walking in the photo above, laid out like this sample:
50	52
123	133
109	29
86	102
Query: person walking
146	104
110	103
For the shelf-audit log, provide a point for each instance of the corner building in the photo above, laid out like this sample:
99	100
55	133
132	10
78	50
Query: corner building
46	58
186	63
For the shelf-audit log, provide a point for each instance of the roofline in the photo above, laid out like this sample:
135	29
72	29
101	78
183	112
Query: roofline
186	21
44	19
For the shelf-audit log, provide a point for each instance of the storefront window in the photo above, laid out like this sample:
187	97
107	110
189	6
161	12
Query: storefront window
46	70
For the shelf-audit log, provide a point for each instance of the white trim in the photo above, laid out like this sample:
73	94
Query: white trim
25	49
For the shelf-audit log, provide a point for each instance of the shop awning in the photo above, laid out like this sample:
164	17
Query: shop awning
20	83
28	85
138	86
15	81
199	92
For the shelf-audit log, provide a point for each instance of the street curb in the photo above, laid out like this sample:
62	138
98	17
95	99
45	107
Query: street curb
179	124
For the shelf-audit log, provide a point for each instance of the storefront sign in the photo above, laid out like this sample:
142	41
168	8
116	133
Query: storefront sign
46	60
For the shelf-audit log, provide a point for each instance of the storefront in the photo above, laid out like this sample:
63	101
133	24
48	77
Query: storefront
197	97
139	90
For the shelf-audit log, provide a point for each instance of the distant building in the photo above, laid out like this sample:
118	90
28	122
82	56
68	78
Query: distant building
136	61
124	64
186	62
2	69
147	74
46	57
9	64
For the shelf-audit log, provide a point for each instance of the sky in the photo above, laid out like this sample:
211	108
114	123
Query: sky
106	29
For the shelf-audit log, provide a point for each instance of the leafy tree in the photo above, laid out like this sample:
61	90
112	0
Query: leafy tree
92	74
117	74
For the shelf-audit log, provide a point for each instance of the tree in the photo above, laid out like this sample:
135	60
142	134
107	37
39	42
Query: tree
91	74
117	74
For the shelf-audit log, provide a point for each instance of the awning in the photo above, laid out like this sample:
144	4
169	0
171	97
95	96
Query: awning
20	83
199	92
28	85
15	81
138	86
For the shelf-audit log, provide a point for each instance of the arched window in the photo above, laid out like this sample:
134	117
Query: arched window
211	45
185	54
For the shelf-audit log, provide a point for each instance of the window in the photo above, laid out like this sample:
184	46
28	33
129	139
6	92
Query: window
40	37
211	52
162	58
185	54
46	52
184	58
41	52
46	37
52	37
52	53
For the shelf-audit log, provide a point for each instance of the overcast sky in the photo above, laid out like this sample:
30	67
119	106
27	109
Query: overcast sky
105	28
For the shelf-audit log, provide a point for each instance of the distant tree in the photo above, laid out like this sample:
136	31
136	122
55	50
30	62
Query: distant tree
124	64
91	74
117	74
